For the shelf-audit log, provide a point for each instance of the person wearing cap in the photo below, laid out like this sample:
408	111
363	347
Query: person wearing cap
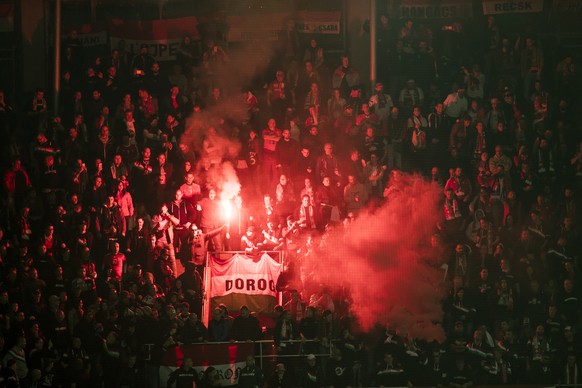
250	242
280	378
312	374
245	327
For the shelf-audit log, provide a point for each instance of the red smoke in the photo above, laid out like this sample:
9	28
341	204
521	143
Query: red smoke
386	260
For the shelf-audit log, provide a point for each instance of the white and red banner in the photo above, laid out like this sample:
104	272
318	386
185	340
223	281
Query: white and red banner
492	7
163	37
431	9
311	22
227	359
244	280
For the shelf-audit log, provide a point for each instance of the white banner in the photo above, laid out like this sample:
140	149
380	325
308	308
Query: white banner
318	22
500	7
427	9
227	373
92	39
160	49
243	275
228	359
163	37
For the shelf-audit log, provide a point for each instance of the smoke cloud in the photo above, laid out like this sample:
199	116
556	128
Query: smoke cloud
212	134
386	260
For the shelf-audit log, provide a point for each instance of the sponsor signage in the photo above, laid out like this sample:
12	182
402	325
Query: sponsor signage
504	7
318	22
427	9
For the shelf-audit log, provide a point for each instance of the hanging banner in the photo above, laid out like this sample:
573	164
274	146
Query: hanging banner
318	22
227	359
242	280
504	7
163	37
567	6
433	9
268	27
90	35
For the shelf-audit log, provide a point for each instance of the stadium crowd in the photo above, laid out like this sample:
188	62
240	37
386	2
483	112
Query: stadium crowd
110	205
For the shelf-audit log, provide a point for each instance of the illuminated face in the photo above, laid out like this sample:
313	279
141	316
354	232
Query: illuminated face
179	195
345	62
328	149
267	200
162	158
305	200
147	153
212	194
272	124
326	182
283	180
286	134
190	179
140	223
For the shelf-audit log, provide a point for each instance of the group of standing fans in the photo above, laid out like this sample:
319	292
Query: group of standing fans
108	212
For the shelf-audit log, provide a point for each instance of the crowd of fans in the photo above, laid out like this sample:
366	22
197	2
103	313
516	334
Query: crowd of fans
107	212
